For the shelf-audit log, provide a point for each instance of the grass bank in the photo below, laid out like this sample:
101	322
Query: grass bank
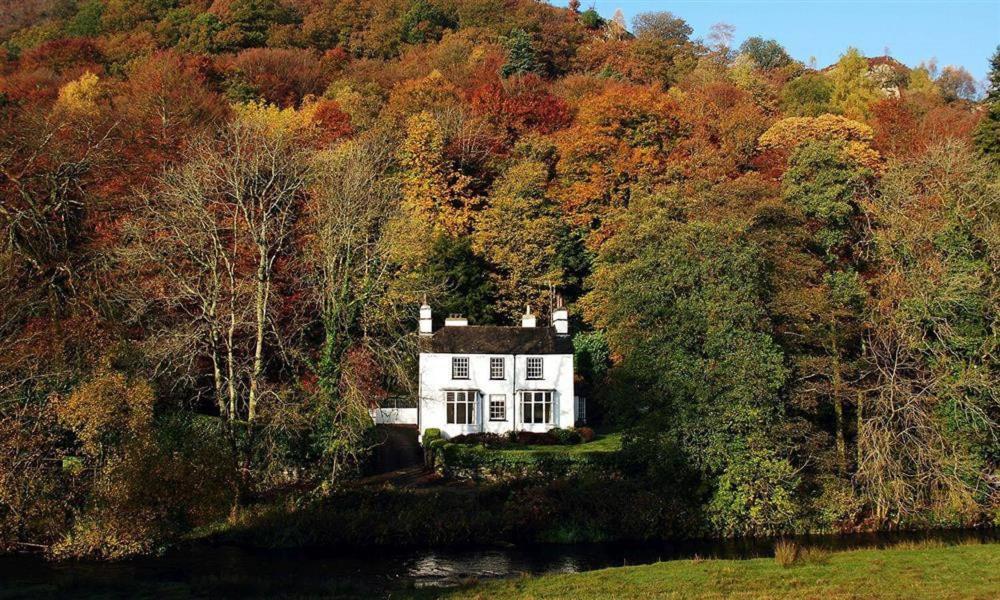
908	571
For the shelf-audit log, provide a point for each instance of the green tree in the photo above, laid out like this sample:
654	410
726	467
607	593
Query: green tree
425	22
683	306
87	20
522	58
987	134
768	54
461	280
807	96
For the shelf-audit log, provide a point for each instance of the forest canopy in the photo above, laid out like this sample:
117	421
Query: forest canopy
219	218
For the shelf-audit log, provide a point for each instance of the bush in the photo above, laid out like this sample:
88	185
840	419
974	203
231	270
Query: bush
530	438
566	437
431	434
586	434
490	440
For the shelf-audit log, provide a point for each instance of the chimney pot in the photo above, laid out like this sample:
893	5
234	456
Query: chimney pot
528	319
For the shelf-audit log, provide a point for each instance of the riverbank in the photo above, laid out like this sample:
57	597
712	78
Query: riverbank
913	571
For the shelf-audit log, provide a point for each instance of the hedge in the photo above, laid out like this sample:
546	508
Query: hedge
480	463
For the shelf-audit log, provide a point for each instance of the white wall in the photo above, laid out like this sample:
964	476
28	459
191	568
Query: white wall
394	416
435	379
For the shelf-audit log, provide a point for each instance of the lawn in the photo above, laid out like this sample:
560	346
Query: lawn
911	572
608	442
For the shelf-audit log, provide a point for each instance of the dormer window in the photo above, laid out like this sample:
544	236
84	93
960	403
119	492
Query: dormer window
460	367
534	370
496	367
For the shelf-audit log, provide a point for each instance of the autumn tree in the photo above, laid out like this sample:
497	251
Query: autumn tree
519	235
853	90
929	426
433	189
354	198
618	144
222	223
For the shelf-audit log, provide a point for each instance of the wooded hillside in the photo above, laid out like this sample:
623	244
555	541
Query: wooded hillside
219	218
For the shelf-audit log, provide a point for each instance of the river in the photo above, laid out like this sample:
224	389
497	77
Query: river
230	572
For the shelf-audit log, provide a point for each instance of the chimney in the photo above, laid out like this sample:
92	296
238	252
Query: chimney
456	321
426	327
560	318
528	319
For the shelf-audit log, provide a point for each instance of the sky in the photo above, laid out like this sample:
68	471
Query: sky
963	32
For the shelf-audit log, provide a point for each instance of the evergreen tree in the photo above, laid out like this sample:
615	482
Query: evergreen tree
987	135
521	55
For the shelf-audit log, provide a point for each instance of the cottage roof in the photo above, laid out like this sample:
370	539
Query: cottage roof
492	339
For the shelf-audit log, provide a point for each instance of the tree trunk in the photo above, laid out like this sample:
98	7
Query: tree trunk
261	316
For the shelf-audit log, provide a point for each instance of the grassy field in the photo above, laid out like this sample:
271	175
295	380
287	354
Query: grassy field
610	442
910	572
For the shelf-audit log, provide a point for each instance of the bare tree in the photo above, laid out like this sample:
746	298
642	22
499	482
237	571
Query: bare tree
209	237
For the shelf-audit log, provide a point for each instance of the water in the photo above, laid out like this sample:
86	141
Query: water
231	572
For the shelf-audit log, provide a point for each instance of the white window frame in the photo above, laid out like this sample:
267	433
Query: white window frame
498	407
459	364
534	368
464	398
530	400
497	370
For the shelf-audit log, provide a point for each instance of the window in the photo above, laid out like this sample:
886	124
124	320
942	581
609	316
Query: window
534	367
496	367
498	407
536	407
461	407
460	367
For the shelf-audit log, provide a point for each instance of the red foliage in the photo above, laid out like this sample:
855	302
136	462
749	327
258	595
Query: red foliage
282	76
363	375
332	122
72	54
895	123
521	104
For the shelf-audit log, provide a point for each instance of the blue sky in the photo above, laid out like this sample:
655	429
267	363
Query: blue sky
962	33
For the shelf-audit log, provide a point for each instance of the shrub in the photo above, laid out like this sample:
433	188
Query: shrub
431	434
566	437
530	438
786	552
490	440
586	434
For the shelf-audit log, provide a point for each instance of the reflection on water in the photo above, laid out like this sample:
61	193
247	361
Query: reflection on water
229	572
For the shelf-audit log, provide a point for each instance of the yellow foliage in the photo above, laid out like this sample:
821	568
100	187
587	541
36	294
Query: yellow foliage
80	96
433	93
433	191
789	132
271	118
106	409
519	234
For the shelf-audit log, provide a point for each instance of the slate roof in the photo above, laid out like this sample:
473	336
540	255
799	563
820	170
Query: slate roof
493	339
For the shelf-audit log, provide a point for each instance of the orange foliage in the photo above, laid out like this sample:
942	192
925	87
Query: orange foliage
905	129
621	139
724	123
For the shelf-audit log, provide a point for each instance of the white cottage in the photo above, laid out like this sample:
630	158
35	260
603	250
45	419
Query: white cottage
495	379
